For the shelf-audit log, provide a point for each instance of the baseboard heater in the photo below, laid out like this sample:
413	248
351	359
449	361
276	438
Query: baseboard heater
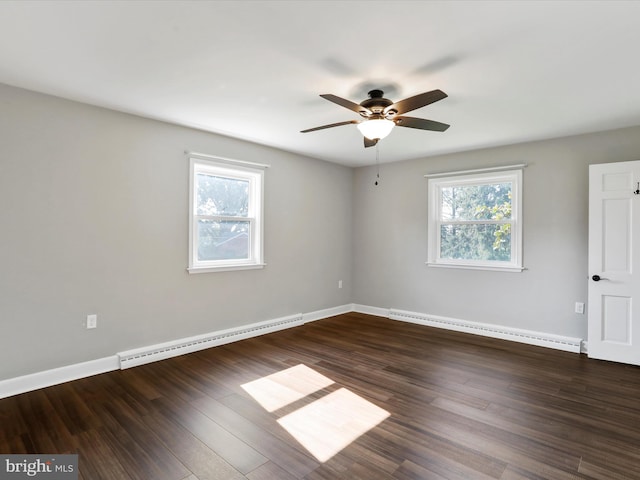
140	356
558	342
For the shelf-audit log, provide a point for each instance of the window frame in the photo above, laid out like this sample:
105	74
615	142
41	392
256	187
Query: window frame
435	221
235	170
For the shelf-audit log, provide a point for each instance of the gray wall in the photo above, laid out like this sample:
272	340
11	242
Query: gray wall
390	236
93	219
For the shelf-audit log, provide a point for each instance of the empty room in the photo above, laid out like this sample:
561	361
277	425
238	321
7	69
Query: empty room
320	240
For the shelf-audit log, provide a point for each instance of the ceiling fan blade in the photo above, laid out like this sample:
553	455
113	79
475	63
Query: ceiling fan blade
343	102
421	123
348	122
415	102
370	143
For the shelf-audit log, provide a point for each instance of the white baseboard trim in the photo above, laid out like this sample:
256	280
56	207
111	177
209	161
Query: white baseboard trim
378	312
558	342
327	312
48	378
584	347
153	353
161	351
140	356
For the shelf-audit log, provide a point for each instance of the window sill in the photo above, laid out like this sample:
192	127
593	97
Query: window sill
225	268
494	268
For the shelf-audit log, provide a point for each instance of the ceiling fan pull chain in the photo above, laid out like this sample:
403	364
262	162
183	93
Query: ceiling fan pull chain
377	163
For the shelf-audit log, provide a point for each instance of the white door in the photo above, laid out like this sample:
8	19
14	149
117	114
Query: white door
614	266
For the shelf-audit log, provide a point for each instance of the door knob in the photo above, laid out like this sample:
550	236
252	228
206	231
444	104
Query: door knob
597	278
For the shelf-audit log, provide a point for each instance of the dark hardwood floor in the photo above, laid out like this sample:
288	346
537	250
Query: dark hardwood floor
349	397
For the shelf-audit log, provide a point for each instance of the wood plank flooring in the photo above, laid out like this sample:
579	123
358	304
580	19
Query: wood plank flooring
349	397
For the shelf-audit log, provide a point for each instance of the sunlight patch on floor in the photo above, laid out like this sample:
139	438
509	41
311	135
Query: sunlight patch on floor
326	425
332	422
287	386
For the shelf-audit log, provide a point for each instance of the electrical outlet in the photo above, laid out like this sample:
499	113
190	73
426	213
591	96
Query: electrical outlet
92	321
339	283
579	308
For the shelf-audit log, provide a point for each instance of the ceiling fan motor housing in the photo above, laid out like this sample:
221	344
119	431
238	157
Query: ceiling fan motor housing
376	103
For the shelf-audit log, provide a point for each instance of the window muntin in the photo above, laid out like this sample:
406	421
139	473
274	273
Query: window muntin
225	217
475	221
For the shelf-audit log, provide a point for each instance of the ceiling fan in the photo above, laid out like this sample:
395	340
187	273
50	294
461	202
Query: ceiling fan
381	114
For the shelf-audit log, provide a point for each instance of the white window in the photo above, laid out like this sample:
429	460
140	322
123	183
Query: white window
225	216
475	221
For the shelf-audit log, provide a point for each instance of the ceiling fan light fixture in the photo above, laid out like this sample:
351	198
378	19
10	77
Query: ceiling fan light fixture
376	129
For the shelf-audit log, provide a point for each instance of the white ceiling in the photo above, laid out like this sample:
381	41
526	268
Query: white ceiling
514	71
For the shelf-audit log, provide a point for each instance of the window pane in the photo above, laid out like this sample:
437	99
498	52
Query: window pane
476	202
222	196
227	240
476	242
